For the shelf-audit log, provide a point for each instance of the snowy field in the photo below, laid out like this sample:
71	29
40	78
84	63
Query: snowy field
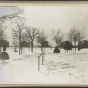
62	67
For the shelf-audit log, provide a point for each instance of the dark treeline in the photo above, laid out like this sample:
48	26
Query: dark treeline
24	35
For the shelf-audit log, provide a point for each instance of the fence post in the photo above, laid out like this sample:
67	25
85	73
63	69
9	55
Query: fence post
42	59
48	69
44	53
38	63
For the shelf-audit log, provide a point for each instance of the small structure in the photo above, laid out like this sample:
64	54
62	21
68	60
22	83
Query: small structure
4	55
25	44
4	43
67	45
44	44
85	44
82	44
56	50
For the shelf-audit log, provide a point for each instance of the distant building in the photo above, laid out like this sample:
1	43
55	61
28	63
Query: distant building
44	44
25	44
66	45
4	42
83	44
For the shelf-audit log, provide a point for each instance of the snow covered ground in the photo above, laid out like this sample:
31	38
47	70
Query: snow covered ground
62	67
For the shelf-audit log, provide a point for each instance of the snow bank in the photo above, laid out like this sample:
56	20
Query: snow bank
62	67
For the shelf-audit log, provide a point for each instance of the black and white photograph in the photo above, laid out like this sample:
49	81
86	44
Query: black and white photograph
44	43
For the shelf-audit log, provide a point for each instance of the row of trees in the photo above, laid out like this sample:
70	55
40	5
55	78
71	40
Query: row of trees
21	32
3	26
75	36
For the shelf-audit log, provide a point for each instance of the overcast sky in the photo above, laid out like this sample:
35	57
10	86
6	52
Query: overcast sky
49	17
62	17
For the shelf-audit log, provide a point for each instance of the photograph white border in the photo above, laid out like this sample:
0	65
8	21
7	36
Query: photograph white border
43	3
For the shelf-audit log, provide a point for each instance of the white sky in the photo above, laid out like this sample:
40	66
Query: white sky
62	17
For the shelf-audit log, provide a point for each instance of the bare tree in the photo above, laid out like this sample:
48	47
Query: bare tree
15	43
17	32
57	36
75	36
5	18
81	36
70	36
31	34
2	34
9	17
41	37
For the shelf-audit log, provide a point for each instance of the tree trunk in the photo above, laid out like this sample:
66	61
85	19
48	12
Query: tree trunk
23	49
19	50
0	49
32	46
29	46
71	46
67	50
75	45
1	45
19	47
41	48
15	48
